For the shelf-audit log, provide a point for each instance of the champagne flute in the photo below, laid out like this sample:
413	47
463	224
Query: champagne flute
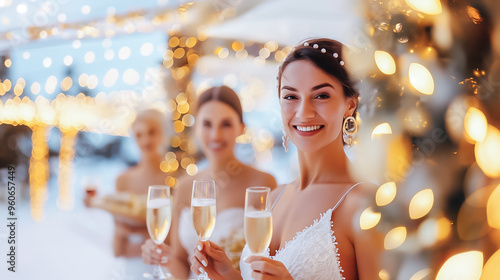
158	219
258	219
203	211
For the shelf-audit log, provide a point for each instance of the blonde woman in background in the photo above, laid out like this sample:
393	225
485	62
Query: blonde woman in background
128	203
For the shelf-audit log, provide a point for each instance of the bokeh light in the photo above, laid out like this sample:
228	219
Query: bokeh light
421	79
463	266
395	238
385	193
369	219
385	62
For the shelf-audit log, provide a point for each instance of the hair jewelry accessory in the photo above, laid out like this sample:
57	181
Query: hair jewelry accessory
323	50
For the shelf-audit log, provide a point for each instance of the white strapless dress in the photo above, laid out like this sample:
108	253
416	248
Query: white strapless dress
228	230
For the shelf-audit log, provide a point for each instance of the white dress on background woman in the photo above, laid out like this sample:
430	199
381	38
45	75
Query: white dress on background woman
311	255
228	230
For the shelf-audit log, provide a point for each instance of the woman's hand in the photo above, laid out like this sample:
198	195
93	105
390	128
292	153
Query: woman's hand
155	254
267	269
210	258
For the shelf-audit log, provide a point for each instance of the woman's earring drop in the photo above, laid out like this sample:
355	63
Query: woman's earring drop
285	139
349	128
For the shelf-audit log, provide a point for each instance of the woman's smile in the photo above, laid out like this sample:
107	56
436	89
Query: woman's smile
308	130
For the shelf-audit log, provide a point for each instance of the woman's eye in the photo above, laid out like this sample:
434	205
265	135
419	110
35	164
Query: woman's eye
226	124
322	96
289	97
206	124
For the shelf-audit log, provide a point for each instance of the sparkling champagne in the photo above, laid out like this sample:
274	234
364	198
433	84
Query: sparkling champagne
159	216
258	230
203	212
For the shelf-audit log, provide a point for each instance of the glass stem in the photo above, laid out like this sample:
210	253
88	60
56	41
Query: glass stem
157	272
203	276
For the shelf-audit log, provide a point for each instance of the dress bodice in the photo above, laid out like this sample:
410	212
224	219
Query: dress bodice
312	254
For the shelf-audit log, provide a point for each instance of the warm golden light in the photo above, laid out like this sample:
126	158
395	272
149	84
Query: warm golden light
385	194
188	120
237	46
385	62
384	275
192	169
369	219
179	53
421	204
183	107
185	162
223	53
487	152
395	238
463	266
65	198
430	7
421	79
383	128
432	231
178	126
493	208
475	124
66	83
191	42
444	228
421	274
264	53
491	269
38	172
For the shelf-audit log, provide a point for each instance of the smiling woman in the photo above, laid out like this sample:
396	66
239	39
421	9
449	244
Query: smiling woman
314	234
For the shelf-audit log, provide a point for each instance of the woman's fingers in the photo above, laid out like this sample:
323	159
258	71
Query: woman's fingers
198	266
212	250
199	256
264	266
155	254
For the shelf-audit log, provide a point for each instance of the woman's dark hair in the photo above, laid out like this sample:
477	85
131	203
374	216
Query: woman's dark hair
326	54
222	94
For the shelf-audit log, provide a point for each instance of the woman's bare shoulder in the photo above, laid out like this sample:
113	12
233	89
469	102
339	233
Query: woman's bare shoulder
185	184
260	177
122	181
279	189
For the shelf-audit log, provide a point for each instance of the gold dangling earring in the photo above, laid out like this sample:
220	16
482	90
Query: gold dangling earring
285	139
349	128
